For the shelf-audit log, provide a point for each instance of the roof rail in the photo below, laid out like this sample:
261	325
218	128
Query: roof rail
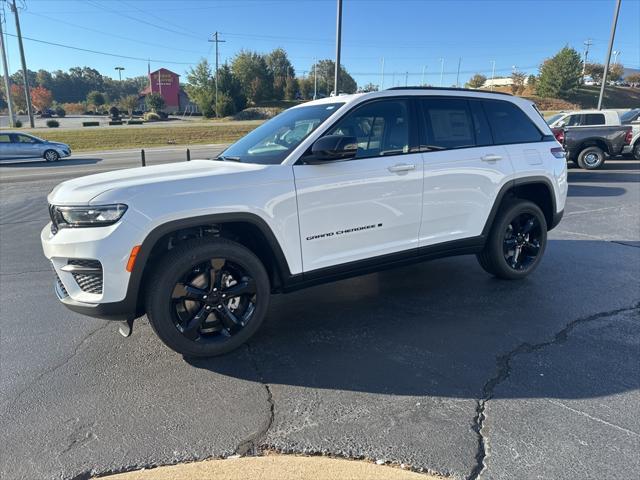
449	89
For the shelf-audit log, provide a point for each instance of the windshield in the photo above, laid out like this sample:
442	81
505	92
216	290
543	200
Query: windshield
630	116
271	142
555	117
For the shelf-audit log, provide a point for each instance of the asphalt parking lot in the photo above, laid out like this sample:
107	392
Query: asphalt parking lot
436	365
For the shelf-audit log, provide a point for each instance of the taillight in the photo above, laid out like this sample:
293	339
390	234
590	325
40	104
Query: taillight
628	137
558	152
559	134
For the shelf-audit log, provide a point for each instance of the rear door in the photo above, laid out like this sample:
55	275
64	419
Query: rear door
367	206
25	146
512	128
463	169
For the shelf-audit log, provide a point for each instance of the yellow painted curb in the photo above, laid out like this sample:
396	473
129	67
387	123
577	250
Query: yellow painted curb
275	467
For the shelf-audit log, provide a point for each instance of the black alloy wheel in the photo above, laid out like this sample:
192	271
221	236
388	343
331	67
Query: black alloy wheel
521	244
516	242
213	301
207	296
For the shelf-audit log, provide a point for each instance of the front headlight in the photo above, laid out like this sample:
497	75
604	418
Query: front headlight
95	216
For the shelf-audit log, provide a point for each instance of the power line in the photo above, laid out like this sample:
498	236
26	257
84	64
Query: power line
97	52
113	35
151	24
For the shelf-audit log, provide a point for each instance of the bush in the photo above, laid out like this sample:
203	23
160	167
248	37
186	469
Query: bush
225	106
60	112
53	123
115	122
135	122
18	123
151	117
90	124
257	113
74	108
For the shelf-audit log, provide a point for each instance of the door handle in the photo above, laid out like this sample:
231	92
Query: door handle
401	167
491	158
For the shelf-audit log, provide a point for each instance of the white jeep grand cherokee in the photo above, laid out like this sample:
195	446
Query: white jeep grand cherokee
326	190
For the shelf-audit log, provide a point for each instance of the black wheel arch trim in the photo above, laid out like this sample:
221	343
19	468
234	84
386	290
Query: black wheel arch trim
518	182
131	307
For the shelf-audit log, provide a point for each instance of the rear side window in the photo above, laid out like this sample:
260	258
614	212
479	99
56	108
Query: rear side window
4	138
483	132
448	123
593	119
509	124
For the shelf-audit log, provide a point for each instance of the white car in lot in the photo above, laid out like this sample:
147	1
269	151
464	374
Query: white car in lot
16	146
328	189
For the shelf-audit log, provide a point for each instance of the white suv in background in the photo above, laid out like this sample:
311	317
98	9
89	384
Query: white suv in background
326	190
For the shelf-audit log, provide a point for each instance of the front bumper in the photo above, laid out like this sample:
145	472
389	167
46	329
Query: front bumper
111	246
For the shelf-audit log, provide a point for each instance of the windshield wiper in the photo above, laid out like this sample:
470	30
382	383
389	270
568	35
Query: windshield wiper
228	158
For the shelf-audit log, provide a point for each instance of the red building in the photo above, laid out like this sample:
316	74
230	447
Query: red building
167	84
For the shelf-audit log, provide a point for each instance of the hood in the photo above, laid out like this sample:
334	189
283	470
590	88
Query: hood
121	185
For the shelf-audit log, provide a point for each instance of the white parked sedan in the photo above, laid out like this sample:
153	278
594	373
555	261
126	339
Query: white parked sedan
15	145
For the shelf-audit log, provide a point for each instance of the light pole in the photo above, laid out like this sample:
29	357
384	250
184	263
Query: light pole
424	68
382	77
119	69
441	70
493	73
458	74
606	68
615	56
336	78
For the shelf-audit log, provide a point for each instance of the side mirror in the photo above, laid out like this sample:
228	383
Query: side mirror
332	148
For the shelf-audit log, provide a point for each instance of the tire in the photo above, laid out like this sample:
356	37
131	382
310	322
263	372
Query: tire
498	256
207	265
591	158
636	151
51	156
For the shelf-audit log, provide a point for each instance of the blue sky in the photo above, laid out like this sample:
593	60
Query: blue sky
411	35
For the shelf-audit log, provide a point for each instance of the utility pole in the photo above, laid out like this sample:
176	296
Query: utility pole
119	69
216	40
336	80
315	77
441	70
493	73
382	79
606	68
458	74
27	94
406	78
587	45
7	83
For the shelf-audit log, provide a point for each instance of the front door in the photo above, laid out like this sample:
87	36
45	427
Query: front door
367	206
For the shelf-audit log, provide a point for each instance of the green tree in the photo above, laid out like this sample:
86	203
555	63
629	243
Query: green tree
531	81
250	68
291	88
633	78
306	88
476	81
202	88
325	70
225	106
230	85
96	99
154	102
560	75
280	69
129	103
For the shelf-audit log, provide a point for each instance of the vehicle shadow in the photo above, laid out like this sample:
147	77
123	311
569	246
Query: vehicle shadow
594	191
443	328
60	163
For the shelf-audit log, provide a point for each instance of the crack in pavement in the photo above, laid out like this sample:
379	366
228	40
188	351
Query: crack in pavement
253	444
503	372
77	349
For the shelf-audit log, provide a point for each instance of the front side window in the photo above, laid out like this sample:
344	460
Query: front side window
381	128
448	123
509	124
573	120
273	141
26	139
593	119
